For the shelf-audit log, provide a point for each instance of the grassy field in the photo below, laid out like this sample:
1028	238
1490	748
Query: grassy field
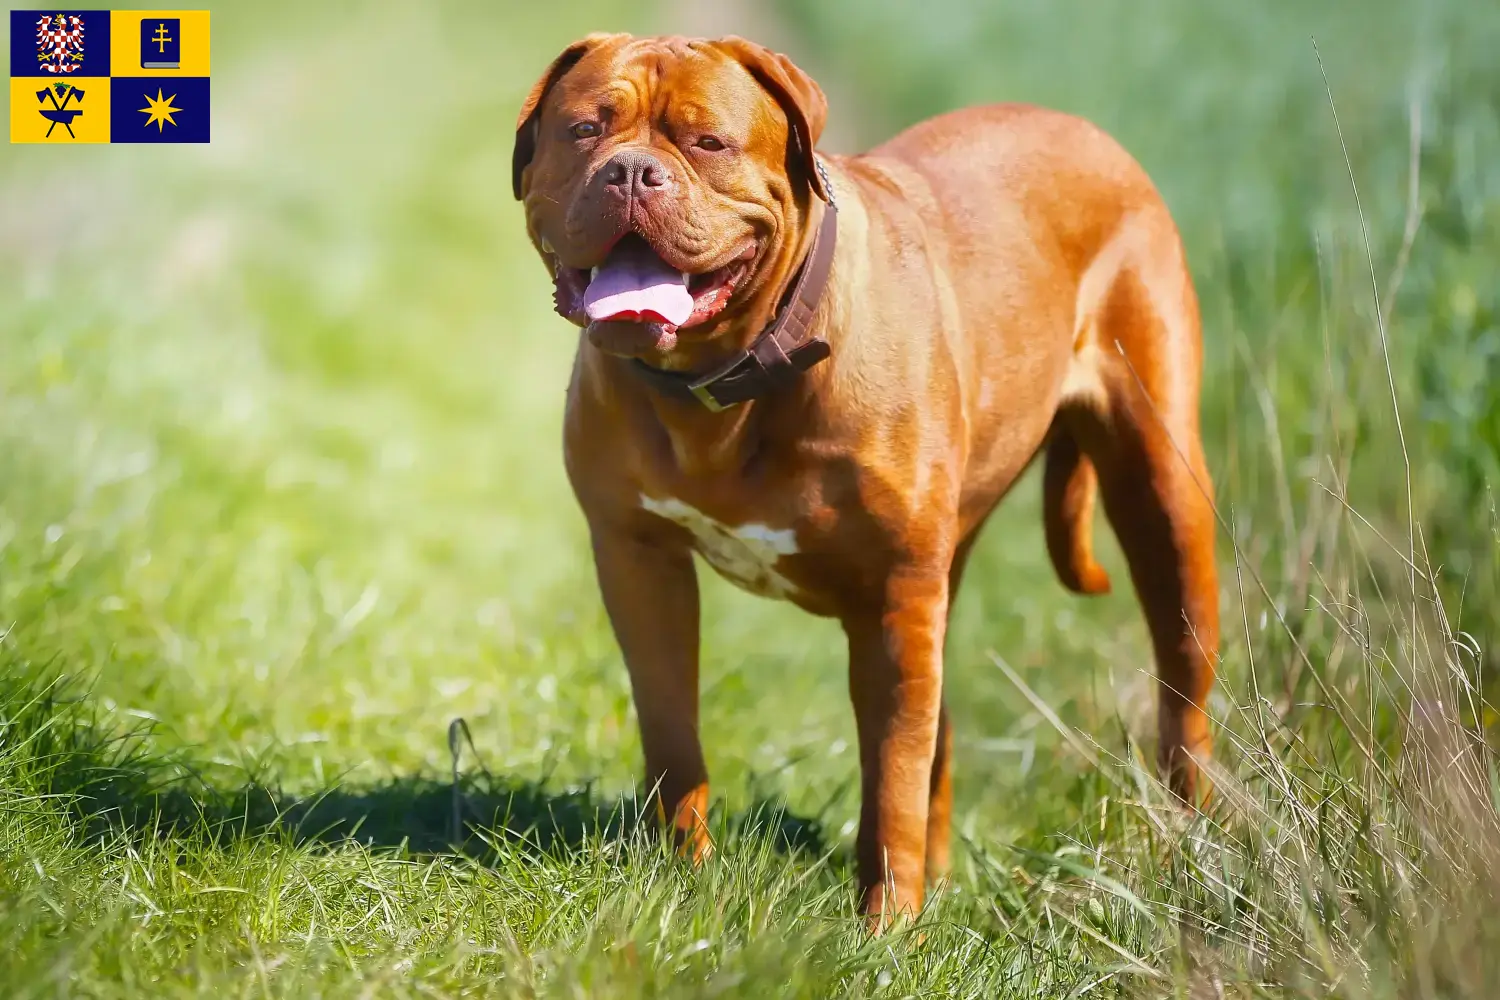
281	497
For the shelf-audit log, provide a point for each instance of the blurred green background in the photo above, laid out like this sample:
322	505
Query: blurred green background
279	416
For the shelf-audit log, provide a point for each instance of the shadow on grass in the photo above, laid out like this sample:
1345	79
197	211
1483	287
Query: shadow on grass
53	745
416	814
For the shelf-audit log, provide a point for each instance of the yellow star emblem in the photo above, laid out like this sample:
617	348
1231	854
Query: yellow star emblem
160	110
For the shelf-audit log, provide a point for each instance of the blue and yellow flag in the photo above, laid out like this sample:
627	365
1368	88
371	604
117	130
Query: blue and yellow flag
109	76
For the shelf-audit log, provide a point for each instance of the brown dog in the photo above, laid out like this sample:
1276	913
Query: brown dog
822	374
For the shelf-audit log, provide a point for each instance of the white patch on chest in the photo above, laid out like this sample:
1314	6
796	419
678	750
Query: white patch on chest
745	556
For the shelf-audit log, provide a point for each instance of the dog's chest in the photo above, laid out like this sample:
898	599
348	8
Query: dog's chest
747	555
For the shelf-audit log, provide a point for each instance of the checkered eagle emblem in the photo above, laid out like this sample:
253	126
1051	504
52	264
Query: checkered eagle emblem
59	42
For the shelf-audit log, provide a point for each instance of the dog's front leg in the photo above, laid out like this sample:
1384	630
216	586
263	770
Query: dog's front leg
651	594
896	682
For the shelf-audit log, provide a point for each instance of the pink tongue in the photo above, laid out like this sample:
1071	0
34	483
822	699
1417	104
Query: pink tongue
635	284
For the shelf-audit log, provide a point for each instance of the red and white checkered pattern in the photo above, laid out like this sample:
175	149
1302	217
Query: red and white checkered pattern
59	42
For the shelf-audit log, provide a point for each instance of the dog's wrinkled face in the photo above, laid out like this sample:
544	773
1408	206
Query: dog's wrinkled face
665	183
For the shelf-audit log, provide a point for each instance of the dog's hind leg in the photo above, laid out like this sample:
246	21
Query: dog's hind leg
1141	434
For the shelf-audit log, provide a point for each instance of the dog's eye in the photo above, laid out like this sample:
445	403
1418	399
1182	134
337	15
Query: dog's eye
585	130
709	143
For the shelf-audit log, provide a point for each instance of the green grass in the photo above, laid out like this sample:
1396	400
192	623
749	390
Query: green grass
281	497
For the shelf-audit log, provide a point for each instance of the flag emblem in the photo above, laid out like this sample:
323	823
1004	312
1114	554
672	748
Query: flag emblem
61	95
59	42
158	109
159	112
160	37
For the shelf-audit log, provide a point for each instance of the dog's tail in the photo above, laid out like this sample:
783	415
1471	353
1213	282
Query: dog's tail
1068	490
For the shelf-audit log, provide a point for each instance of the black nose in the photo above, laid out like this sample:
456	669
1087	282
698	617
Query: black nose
636	172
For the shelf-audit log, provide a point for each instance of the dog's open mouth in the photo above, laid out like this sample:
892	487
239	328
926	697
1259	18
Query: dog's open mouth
634	285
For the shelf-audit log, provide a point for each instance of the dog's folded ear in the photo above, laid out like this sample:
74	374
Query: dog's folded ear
799	96
531	108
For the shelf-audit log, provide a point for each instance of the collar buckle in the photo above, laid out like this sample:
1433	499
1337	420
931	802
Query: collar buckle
702	392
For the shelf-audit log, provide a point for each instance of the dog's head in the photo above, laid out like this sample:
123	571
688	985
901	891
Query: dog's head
666	184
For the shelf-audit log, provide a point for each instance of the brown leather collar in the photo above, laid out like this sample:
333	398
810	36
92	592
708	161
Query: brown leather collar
779	354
